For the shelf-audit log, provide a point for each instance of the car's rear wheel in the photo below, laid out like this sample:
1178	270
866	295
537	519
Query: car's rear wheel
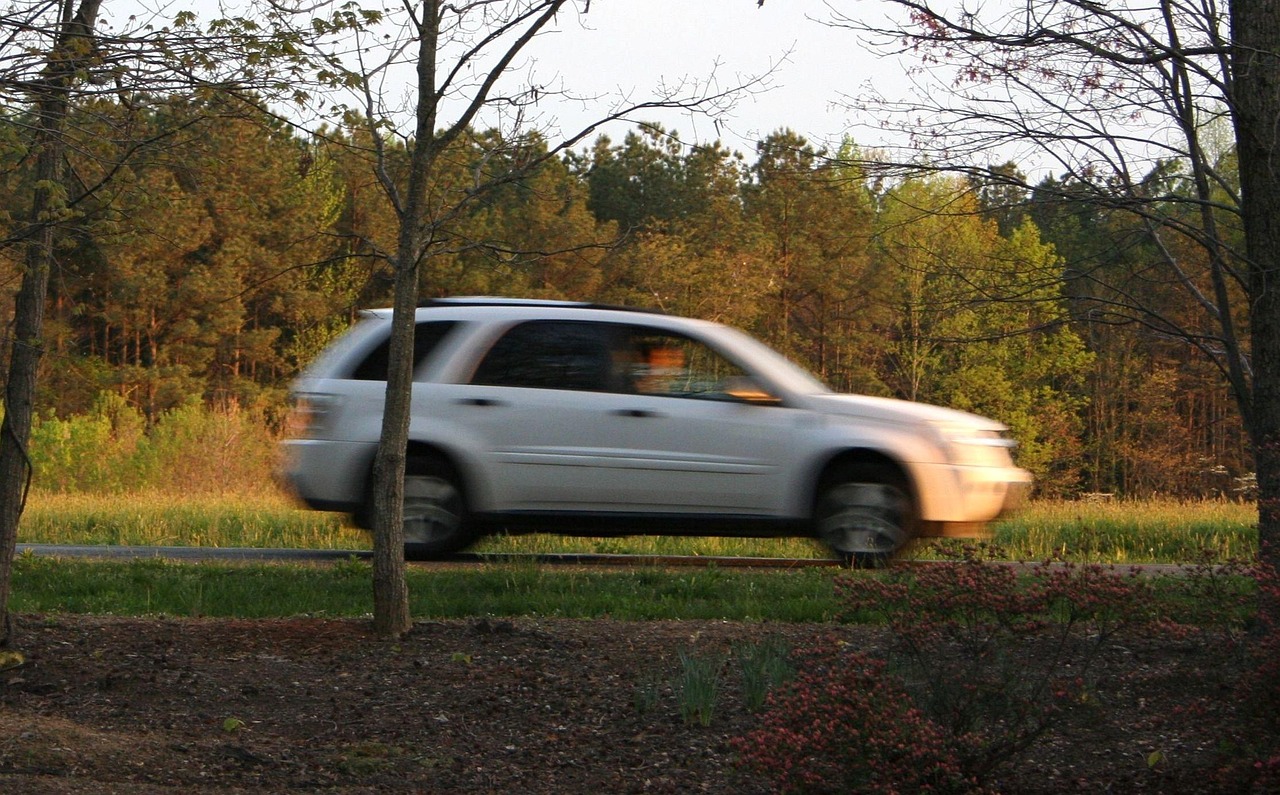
864	514
435	510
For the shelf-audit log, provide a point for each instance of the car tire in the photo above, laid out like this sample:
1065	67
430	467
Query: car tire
864	514
435	510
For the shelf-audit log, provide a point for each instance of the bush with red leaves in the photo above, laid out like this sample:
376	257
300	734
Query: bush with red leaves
845	724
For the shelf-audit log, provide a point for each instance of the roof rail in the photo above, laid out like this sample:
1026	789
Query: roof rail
485	300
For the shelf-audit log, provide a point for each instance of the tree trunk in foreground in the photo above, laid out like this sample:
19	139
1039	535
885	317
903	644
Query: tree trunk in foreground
1256	97
72	48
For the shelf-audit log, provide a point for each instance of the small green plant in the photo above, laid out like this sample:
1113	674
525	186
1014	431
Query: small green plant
232	725
352	567
369	758
646	692
699	687
764	666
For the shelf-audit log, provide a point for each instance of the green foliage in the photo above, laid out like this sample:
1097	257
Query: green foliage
983	324
764	666
159	587
647	692
698	687
111	449
87	452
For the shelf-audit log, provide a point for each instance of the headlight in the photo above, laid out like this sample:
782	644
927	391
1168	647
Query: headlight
966	445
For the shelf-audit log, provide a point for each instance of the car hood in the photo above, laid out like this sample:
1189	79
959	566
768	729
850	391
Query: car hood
878	408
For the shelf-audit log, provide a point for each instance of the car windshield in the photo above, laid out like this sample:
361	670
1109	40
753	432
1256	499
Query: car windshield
770	364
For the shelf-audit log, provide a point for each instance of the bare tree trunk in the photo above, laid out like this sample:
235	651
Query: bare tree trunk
72	48
391	616
1256	95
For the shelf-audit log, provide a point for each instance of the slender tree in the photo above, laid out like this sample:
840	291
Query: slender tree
56	61
67	62
460	59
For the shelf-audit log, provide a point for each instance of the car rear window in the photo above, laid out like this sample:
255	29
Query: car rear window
426	338
549	354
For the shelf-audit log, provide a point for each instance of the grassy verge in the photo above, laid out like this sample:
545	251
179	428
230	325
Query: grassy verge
154	587
1119	532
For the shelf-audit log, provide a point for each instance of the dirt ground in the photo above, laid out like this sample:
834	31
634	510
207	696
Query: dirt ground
104	705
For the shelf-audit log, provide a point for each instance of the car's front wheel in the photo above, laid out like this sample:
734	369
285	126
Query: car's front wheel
864	514
435	510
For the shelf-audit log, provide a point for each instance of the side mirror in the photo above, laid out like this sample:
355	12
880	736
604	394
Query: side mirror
745	389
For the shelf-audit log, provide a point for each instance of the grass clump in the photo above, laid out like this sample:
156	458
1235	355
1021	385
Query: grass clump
699	687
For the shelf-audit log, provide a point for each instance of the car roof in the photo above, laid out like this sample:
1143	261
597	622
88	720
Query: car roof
499	307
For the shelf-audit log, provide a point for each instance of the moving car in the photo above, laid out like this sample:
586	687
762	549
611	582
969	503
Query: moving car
580	419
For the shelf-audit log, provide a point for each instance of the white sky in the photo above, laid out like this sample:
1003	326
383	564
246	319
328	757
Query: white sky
631	44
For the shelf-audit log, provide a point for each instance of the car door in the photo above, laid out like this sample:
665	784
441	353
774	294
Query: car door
566	416
532	413
692	445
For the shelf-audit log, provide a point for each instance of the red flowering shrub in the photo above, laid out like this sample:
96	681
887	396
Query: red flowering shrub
959	625
845	724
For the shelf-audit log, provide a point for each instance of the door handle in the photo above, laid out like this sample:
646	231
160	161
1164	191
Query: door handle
479	401
635	413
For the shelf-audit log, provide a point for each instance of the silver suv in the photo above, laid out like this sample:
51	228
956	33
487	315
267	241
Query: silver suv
587	420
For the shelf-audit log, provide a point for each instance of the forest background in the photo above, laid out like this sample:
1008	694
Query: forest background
232	249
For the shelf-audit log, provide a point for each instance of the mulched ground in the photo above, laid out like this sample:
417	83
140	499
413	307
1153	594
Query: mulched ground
106	705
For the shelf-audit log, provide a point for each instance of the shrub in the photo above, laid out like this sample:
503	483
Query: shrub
960	629
845	724
189	449
87	452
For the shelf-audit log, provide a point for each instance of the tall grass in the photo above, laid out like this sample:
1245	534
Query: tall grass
1131	531
264	519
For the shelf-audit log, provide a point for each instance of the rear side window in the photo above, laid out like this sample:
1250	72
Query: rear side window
549	354
426	338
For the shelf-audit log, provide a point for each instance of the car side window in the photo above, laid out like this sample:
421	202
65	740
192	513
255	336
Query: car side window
426	338
673	365
549	354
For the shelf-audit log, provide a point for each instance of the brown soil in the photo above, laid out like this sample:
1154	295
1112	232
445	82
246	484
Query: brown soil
105	705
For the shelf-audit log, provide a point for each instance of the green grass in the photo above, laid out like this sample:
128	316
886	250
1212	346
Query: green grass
155	587
1123	532
44	585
